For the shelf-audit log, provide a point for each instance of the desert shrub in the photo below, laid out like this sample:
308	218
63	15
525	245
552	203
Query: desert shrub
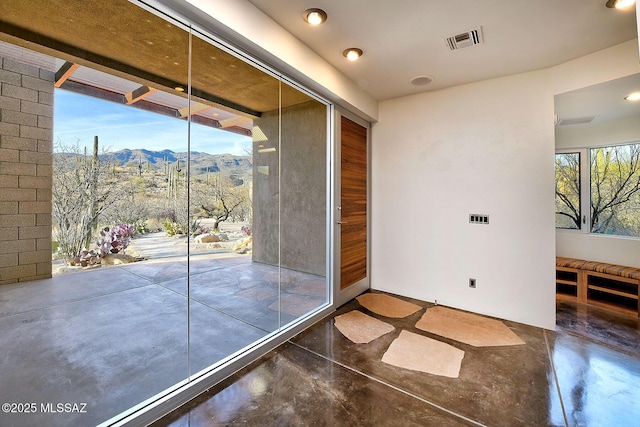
140	227
196	229
172	228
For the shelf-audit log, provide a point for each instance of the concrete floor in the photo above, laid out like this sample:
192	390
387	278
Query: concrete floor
112	337
585	373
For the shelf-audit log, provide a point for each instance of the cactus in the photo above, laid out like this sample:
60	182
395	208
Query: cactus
115	239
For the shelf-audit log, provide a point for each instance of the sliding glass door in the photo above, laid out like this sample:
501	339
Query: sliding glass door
189	220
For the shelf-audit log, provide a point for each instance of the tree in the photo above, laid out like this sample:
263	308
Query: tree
615	189
615	182
82	190
568	190
220	199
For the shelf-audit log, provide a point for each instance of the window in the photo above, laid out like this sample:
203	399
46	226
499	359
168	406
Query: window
568	211
615	186
611	189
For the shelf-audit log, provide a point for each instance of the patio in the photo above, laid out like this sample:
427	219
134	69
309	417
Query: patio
81	337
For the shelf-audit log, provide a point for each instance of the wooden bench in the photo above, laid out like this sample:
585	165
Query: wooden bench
610	286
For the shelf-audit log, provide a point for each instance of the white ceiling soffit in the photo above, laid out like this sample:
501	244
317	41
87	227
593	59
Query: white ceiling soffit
602	102
404	38
29	57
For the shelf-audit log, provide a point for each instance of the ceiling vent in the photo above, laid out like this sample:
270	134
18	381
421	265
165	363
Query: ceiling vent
466	39
576	121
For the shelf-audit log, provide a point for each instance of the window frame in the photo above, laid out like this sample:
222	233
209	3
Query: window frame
585	186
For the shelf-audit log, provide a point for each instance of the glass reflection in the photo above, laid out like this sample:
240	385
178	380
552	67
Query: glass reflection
589	374
108	330
234	301
303	145
223	181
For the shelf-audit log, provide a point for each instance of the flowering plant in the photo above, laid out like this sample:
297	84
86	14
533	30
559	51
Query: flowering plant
115	239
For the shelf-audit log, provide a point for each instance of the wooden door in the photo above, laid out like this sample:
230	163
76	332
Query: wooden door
353	204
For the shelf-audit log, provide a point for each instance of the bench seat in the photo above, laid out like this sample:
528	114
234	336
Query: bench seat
600	267
611	286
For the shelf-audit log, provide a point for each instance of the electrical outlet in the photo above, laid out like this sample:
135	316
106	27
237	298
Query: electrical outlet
472	283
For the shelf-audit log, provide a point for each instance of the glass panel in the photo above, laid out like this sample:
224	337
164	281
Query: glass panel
104	333
188	157
234	260
615	190
303	123
568	213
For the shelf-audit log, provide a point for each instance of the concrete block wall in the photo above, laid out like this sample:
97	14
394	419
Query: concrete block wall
290	189
26	167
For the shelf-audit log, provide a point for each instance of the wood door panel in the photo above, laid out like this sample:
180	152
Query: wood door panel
353	202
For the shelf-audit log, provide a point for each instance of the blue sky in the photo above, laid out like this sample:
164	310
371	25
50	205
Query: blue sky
77	118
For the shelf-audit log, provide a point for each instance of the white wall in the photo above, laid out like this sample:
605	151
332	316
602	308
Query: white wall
480	148
611	132
615	250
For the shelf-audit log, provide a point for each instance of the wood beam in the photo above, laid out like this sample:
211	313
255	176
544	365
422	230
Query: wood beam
93	91
195	109
201	120
108	95
138	94
234	121
239	130
64	73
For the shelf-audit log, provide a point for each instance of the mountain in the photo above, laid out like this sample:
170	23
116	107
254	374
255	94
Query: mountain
144	156
240	167
201	163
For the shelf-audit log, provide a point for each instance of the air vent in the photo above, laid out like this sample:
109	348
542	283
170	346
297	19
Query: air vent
467	39
576	121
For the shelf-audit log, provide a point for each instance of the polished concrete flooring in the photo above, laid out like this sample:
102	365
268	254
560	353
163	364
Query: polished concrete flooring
585	373
109	338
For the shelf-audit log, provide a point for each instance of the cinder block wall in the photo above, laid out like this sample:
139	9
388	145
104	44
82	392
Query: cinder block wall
26	166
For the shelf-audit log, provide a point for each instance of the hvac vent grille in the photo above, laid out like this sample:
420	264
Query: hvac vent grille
466	39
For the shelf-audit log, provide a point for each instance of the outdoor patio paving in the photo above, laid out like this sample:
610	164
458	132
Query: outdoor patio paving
114	336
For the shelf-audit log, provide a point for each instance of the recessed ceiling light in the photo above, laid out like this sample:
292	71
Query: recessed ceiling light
635	96
620	4
179	88
421	80
352	53
314	16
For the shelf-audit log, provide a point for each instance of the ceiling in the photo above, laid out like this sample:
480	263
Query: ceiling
403	39
121	50
598	103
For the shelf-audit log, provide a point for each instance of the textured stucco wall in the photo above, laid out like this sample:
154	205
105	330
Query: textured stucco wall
290	191
26	135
